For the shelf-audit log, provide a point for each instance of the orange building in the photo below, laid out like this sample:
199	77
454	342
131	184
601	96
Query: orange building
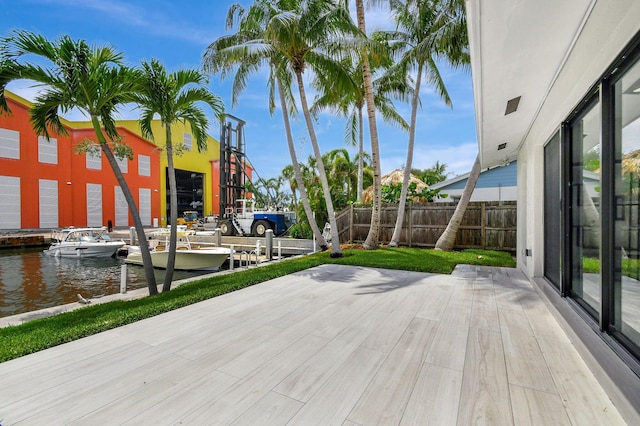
45	184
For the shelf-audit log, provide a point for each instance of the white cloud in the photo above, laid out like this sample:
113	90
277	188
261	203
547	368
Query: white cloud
154	21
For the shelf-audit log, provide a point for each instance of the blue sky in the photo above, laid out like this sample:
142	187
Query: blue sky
177	33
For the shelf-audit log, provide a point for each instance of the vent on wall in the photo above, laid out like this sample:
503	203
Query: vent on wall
502	146
512	105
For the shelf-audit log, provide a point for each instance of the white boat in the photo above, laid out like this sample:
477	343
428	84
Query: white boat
83	242
187	258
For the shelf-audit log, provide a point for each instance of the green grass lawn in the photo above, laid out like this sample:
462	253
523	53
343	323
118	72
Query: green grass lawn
33	336
630	267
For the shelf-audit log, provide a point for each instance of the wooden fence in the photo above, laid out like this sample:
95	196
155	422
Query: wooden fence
485	225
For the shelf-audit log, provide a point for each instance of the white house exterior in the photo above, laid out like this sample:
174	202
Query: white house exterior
557	88
494	184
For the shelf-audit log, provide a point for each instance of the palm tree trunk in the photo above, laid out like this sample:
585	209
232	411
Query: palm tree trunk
374	230
142	238
296	170
173	213
448	238
335	240
360	154
395	239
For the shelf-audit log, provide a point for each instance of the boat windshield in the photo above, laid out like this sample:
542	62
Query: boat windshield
87	235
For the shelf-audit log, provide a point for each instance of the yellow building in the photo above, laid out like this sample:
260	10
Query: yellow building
197	181
197	185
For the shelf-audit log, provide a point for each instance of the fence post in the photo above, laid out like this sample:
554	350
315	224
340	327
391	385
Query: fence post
218	237
123	278
269	244
483	224
231	260
410	230
132	236
351	224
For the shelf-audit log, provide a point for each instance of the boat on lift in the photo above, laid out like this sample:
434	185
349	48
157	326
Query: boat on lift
83	242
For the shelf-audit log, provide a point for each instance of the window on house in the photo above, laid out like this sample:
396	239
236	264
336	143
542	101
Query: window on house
94	204
47	150
123	163
145	206
144	165
187	140
10	195
10	144
48	199
94	160
122	209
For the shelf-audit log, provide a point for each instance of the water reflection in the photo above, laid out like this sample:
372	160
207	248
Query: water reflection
30	280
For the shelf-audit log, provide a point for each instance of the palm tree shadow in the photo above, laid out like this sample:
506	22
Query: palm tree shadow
376	280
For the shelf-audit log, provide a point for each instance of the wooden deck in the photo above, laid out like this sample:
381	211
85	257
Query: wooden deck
333	345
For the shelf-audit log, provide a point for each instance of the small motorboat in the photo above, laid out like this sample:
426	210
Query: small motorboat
83	242
188	258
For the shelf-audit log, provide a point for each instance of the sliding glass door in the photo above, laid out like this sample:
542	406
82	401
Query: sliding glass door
626	124
585	134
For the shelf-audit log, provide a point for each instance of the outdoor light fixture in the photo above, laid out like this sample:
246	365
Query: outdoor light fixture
512	105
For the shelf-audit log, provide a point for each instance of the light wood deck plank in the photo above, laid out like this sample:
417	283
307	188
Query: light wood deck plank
485	391
384	337
436	397
305	381
335	399
272	409
543	324
576	385
484	311
526	365
249	391
75	384
532	408
436	303
385	399
174	384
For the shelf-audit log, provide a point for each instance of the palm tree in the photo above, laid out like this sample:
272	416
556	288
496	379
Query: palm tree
245	52
172	97
306	37
351	102
77	76
289	175
448	238
420	28
432	175
371	242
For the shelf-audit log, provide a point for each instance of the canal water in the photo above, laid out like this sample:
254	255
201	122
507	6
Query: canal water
31	280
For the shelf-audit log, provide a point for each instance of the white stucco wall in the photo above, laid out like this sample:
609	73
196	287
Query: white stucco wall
506	193
609	27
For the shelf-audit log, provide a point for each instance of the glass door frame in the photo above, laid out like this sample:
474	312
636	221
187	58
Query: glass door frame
568	275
